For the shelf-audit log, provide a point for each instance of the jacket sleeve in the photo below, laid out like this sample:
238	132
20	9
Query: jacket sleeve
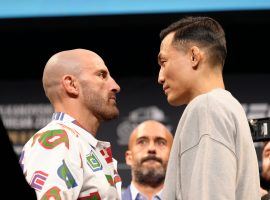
51	162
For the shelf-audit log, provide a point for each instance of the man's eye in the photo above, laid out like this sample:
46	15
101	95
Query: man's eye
161	142
267	154
163	62
102	74
142	142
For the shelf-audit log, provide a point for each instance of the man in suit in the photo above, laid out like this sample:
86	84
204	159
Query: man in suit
148	153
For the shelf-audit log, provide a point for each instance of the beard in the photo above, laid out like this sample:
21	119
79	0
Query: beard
149	175
103	108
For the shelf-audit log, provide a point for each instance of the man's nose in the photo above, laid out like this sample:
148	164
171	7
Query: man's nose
152	148
161	76
115	87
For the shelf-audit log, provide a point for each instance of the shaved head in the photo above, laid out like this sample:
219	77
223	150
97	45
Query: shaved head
148	153
77	82
70	62
149	126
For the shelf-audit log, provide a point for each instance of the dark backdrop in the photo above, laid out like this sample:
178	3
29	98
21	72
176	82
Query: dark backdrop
129	44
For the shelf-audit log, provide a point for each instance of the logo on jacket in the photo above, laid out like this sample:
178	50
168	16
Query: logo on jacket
93	161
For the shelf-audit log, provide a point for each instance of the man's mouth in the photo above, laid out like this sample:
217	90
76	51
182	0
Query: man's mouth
151	158
165	88
113	98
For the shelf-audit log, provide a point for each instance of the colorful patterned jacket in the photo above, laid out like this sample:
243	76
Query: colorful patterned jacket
64	161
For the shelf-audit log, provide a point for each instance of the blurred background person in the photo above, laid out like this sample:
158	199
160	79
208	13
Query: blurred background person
265	171
148	153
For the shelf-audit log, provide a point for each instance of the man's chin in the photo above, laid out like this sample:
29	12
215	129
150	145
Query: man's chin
174	102
112	114
150	175
171	100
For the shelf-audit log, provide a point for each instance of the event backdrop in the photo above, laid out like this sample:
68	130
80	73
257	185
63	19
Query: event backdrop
25	109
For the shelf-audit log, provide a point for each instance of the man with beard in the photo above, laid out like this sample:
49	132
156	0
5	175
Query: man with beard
64	160
148	153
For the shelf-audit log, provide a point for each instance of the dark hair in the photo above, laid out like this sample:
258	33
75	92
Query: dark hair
204	31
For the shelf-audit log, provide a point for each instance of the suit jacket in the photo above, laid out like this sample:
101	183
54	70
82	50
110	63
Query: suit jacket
126	194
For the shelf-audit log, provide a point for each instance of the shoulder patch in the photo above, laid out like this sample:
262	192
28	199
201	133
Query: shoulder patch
93	161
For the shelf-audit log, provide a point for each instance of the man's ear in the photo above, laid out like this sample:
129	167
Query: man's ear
70	85
129	159
195	56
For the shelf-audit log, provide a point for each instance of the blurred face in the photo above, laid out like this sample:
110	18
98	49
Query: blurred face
148	154
175	72
99	90
266	162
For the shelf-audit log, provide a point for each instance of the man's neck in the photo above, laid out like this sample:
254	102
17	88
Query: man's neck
86	120
147	190
207	83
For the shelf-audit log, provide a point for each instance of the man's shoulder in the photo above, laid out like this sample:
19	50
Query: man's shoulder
52	130
58	128
218	105
214	101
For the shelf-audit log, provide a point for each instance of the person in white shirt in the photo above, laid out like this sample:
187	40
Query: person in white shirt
64	160
213	155
148	153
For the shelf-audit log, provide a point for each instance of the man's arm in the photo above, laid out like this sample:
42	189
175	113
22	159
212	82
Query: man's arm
212	173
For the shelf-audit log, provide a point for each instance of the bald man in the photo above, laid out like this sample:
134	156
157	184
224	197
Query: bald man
148	153
64	160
